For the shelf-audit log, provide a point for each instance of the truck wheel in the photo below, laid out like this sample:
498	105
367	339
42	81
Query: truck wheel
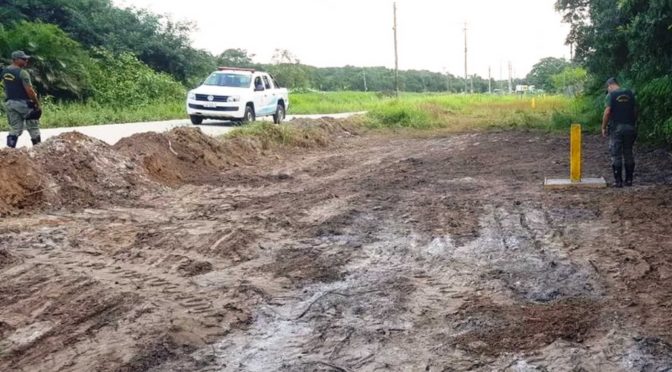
249	115
196	119
279	115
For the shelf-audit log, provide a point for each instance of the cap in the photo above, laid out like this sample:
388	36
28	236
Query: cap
20	54
612	81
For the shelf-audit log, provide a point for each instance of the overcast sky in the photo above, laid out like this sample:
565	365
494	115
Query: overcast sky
359	32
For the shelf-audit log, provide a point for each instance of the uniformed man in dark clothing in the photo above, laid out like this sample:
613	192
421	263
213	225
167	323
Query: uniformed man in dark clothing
620	124
20	100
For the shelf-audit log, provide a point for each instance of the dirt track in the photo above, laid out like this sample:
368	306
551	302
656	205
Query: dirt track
377	253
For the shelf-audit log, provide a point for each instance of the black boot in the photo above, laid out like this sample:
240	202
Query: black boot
629	174
36	141
618	176
11	141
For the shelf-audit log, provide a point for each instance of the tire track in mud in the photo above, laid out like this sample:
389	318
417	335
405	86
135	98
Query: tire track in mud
414	284
154	301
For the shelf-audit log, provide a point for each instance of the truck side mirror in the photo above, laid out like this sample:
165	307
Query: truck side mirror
259	88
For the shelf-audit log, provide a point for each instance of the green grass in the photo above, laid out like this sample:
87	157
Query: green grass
424	113
78	114
457	112
411	110
81	114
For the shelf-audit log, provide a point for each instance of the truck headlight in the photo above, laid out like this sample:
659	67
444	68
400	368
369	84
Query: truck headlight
233	99
192	95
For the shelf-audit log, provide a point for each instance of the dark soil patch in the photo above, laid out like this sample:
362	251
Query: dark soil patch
492	329
194	268
6	258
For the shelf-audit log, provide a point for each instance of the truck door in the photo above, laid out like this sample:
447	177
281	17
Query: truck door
271	96
260	96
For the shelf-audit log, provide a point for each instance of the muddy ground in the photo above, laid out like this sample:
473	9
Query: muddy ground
376	253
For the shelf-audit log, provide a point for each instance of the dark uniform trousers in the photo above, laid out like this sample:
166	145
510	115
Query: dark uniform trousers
622	138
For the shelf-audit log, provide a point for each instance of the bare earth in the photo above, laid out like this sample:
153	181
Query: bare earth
376	253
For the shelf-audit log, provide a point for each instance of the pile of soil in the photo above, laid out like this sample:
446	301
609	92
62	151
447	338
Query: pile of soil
320	132
184	155
88	171
76	171
70	170
20	181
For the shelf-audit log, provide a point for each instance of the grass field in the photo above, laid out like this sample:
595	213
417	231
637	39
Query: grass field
411	110
426	112
459	112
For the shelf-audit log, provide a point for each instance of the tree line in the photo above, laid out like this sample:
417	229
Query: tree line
632	41
92	50
290	72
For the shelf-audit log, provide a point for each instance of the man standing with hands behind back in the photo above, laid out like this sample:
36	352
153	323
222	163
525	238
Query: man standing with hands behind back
620	123
23	107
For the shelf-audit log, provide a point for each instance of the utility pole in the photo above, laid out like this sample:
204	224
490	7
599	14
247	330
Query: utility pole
396	53
501	77
466	74
472	84
366	88
490	79
511	77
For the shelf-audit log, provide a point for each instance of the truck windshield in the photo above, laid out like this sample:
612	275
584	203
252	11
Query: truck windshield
229	80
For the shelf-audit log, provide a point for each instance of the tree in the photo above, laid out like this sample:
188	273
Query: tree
630	39
60	66
235	58
571	81
288	70
541	73
158	41
284	56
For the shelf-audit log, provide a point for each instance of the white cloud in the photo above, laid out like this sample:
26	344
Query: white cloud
359	32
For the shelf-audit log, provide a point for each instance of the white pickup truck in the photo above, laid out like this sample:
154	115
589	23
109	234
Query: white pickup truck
237	94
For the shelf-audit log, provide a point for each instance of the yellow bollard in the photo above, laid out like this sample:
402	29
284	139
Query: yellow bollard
575	154
534	103
576	180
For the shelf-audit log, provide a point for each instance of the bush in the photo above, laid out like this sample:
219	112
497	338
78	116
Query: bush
656	112
60	65
123	81
397	114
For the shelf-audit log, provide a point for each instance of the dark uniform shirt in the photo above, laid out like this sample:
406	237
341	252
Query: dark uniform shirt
14	79
622	103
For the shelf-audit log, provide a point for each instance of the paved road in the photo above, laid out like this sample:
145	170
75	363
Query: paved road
111	133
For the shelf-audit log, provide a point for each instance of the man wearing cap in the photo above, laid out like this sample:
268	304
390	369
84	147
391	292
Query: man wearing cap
620	124
20	100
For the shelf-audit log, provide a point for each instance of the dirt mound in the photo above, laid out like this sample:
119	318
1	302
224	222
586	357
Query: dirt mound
20	181
73	170
325	130
70	170
88	170
184	155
